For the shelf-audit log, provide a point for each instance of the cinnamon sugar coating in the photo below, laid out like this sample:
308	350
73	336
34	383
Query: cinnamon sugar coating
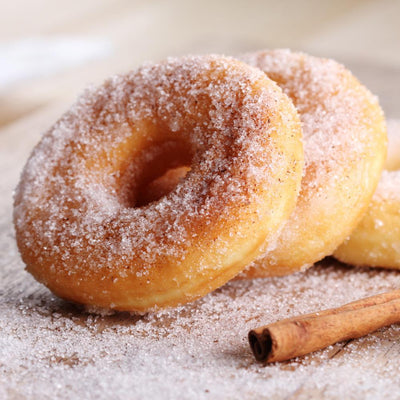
376	240
344	145
393	158
81	225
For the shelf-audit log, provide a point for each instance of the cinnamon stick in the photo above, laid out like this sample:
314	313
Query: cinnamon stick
294	337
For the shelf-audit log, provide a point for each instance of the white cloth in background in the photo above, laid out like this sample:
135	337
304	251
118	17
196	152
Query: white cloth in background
40	56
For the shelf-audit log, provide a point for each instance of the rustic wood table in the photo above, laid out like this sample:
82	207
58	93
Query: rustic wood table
50	349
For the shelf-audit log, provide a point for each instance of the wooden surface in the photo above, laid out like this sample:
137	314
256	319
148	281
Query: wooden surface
51	349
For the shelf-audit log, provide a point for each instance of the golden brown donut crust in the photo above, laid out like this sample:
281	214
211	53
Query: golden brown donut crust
80	227
344	145
376	240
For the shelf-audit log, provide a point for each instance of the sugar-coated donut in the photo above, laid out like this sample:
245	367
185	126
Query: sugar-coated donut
344	145
376	240
393	154
80	227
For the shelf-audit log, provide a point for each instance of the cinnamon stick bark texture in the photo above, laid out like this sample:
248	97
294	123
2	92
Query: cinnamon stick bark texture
301	335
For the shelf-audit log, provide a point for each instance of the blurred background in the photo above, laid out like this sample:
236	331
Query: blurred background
50	50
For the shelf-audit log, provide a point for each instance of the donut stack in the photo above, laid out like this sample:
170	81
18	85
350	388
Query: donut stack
164	183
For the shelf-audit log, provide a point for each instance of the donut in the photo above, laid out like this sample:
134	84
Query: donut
393	154
376	240
80	228
344	146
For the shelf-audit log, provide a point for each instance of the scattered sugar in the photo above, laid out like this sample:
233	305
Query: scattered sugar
52	349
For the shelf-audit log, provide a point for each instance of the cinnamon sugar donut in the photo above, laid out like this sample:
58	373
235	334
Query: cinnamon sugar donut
376	240
392	162
80	227
344	146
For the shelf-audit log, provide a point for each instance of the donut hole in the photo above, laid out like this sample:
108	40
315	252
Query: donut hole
154	173
161	186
